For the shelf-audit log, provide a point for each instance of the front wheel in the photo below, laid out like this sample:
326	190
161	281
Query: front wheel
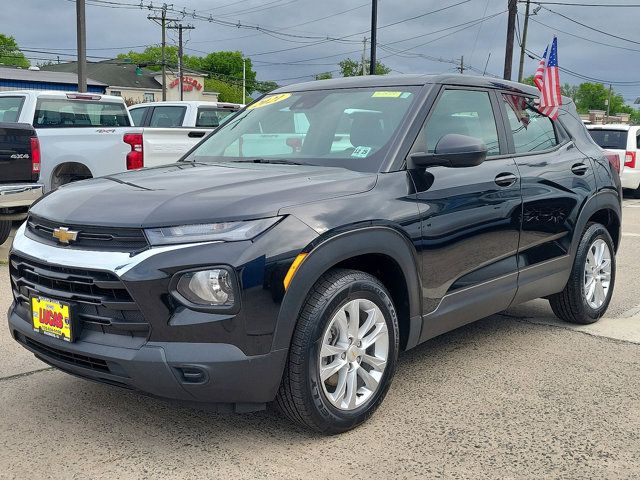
343	353
588	292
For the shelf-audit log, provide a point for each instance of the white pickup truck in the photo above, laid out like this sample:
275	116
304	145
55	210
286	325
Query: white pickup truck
171	129
82	135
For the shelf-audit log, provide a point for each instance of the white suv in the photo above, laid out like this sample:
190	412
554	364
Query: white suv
625	141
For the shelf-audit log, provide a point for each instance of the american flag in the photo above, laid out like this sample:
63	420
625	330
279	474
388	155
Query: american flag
519	105
547	79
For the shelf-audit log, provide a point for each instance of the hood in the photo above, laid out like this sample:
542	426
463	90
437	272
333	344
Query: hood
187	193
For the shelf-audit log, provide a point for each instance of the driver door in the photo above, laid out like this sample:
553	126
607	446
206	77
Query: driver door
470	217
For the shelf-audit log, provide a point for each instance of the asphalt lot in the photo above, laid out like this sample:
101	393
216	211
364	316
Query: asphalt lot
516	395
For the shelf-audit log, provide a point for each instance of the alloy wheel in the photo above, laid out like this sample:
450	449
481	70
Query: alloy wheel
597	274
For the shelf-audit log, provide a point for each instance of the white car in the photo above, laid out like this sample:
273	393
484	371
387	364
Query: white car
625	141
82	135
171	129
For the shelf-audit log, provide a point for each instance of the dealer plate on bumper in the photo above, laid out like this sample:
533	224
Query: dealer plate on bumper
51	317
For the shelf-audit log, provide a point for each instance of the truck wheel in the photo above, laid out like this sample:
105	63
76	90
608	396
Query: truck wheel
343	353
588	292
5	230
67	173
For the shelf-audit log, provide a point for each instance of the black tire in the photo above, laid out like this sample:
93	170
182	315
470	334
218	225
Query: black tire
570	305
301	397
5	230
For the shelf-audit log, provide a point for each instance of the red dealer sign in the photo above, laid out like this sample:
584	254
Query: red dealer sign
188	84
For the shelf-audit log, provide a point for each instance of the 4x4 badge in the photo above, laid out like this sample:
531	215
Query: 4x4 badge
64	235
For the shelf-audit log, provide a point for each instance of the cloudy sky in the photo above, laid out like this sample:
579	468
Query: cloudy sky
301	42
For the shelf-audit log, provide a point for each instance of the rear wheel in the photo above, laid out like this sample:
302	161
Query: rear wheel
588	292
343	353
67	173
5	230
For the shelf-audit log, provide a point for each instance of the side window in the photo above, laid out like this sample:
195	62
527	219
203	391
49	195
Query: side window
531	131
137	114
10	108
638	140
169	116
463	112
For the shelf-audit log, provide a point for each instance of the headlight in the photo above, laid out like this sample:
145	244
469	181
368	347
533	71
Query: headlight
208	287
207	232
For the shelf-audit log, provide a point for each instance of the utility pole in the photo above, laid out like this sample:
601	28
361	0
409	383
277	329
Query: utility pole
364	56
374	36
244	80
609	104
511	28
461	67
524	42
81	36
180	29
163	23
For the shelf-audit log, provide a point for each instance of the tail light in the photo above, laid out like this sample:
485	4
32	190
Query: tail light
135	158
630	159
614	160
35	158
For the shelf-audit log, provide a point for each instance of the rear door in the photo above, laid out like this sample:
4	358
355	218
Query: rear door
469	216
556	181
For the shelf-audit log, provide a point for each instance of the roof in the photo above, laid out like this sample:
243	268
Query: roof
59	94
112	74
44	76
412	79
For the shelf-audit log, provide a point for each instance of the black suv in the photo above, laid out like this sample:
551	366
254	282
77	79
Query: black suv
325	228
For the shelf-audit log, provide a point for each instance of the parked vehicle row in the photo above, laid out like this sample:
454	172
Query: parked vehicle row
171	129
404	207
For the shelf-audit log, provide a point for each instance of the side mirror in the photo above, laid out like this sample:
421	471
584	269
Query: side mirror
452	150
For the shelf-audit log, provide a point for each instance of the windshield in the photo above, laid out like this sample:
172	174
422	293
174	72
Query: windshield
615	139
351	128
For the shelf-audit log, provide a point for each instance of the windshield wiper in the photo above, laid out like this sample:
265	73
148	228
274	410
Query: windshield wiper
269	160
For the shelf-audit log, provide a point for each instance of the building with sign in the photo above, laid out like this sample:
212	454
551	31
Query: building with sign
138	85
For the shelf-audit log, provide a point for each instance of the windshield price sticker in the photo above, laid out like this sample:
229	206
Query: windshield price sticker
270	100
386	94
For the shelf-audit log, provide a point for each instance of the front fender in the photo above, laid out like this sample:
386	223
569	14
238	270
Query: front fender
335	249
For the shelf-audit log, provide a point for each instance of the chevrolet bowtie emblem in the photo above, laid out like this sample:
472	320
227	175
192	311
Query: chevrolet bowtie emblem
64	235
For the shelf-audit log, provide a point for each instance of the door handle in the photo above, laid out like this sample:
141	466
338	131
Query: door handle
506	179
196	134
579	168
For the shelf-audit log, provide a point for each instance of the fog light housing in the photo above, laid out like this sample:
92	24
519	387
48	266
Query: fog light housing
211	288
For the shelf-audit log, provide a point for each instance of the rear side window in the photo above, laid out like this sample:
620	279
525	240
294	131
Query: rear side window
613	139
137	114
532	131
212	117
10	108
61	113
169	116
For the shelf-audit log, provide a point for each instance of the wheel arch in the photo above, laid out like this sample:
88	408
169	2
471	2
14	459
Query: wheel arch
383	252
71	167
603	208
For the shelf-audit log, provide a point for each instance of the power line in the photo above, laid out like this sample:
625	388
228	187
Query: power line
614	5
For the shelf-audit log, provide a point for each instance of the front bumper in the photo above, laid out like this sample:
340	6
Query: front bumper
19	196
192	372
180	353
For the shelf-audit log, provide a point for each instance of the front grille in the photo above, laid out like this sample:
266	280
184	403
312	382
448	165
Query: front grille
67	357
99	299
89	238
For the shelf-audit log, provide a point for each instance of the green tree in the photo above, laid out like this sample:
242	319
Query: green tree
227	92
266	87
569	90
529	81
324	76
151	57
229	64
353	68
10	53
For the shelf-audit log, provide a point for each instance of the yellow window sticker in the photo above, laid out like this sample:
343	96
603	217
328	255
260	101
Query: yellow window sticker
386	94
269	100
